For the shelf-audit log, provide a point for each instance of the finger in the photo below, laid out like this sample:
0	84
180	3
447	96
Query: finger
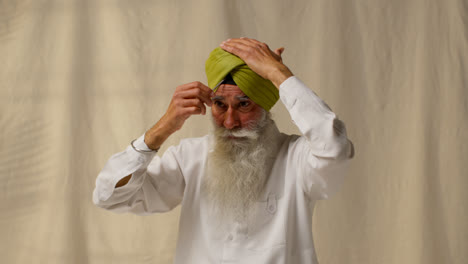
250	45
279	51
206	98
207	93
202	95
193	85
192	110
204	91
251	40
245	41
237	48
254	42
202	86
191	102
194	102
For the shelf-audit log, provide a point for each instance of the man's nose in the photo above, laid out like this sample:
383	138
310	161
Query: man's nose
231	119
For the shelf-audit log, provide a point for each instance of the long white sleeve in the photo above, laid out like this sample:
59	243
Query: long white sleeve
159	190
324	150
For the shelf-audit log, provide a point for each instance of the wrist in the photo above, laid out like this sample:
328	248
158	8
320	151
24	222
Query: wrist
153	142
156	136
139	145
279	75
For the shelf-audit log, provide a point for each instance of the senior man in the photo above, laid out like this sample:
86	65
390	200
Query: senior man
247	190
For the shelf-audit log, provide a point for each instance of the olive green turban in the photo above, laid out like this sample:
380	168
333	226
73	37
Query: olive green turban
221	63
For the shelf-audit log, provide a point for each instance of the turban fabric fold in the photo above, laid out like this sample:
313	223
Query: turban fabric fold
220	63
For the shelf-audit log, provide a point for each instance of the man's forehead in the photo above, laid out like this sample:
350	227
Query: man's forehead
229	90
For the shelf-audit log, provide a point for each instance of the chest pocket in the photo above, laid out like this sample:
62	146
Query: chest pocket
267	228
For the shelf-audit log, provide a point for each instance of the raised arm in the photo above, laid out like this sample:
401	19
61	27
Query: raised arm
137	181
188	99
259	58
324	149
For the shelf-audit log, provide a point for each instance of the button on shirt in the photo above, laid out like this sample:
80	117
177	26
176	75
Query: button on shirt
307	168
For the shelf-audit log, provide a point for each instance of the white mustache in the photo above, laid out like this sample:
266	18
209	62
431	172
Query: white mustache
241	133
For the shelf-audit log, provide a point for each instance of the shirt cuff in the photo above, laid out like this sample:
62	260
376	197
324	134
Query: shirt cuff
139	143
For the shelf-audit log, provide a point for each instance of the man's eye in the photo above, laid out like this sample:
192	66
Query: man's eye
219	104
244	104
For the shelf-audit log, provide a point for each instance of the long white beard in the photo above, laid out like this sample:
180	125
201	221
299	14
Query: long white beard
237	169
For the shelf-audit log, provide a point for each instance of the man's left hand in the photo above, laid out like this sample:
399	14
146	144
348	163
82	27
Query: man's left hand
259	58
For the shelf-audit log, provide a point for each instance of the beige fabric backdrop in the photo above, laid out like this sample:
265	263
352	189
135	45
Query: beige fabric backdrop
79	79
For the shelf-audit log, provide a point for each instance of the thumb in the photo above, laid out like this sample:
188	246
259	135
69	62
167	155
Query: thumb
279	51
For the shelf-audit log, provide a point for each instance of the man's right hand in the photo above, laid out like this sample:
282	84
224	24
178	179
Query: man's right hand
188	99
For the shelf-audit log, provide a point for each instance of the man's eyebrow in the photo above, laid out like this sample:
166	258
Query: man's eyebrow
218	97
242	98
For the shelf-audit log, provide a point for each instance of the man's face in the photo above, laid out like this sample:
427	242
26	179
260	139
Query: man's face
232	109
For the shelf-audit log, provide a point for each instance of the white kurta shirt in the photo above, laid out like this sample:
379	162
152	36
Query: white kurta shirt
307	168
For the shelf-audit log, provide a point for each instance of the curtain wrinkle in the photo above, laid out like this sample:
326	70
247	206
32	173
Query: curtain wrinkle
80	112
79	79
